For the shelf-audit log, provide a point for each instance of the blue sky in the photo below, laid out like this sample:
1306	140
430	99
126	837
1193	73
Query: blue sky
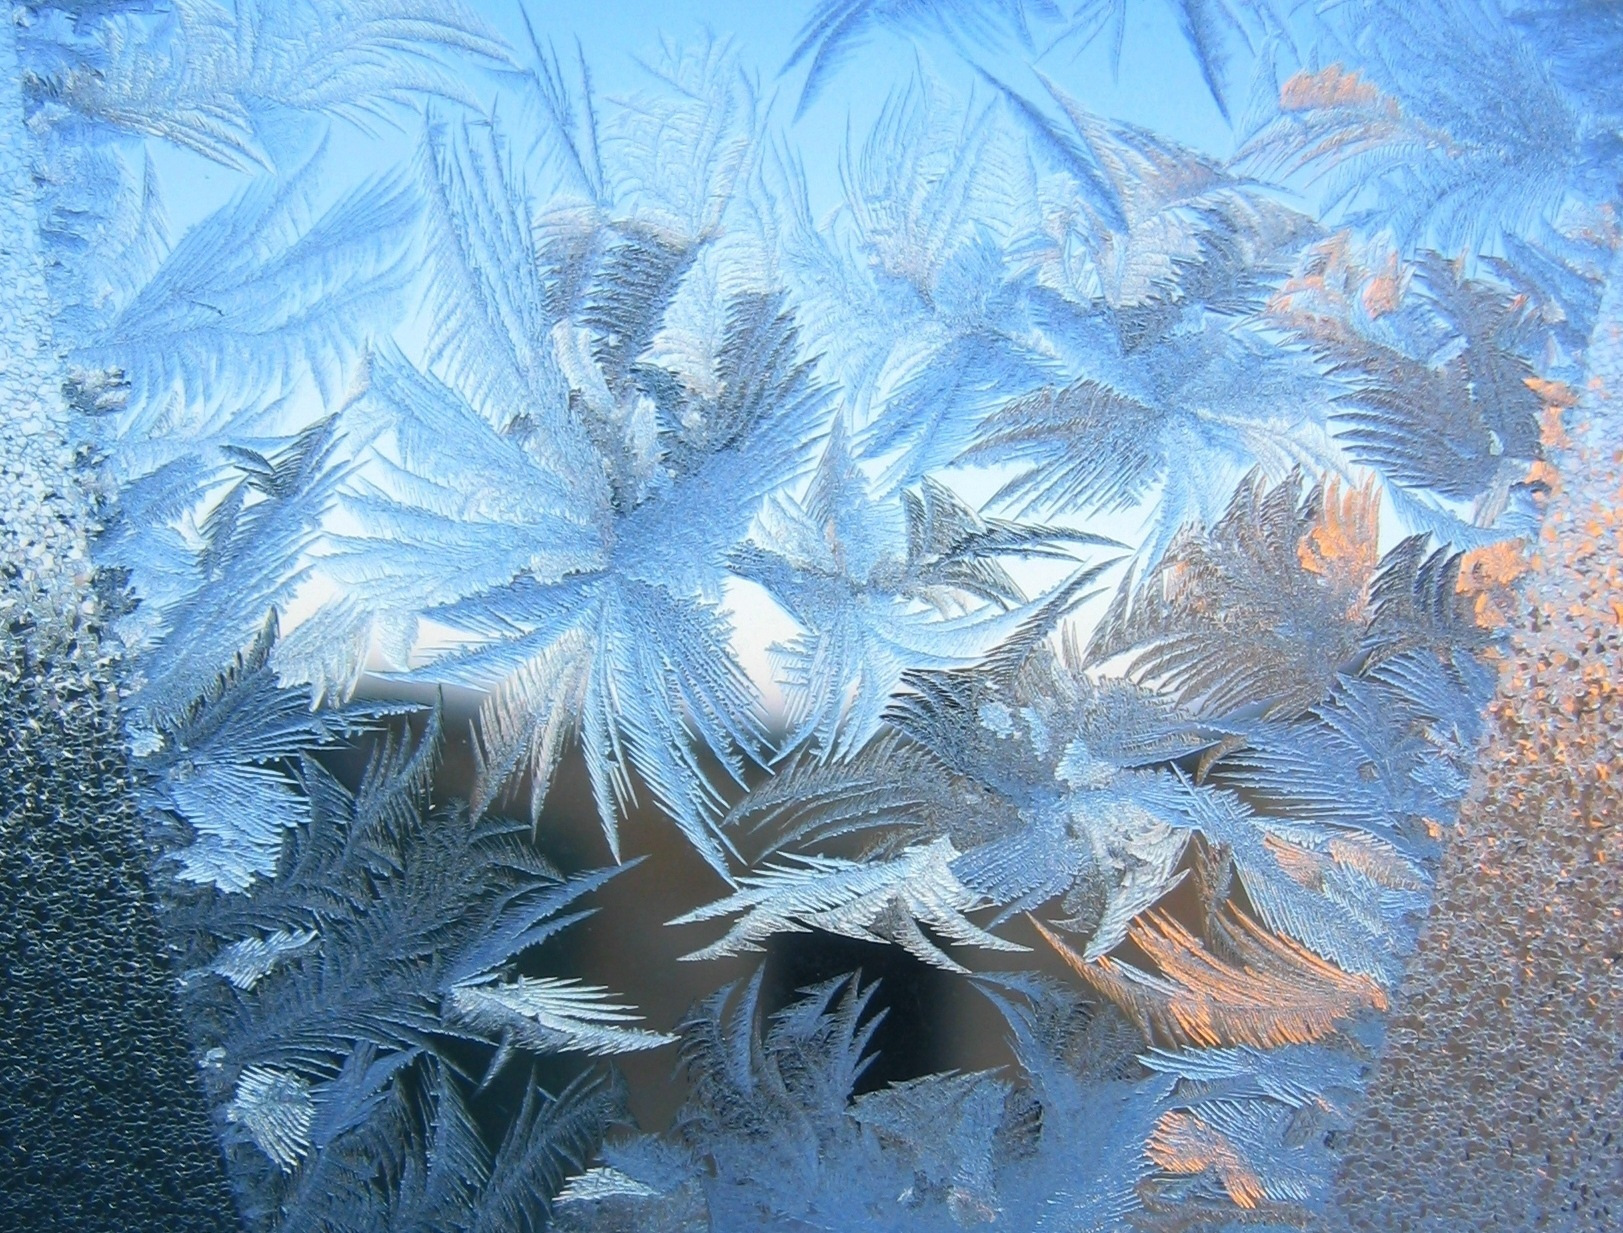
1158	86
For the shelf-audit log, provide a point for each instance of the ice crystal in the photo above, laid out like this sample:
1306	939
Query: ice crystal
1038	539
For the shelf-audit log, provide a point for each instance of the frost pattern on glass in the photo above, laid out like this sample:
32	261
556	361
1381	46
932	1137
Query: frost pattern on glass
1135	522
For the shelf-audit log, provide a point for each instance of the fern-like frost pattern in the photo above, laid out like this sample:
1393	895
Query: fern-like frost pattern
1066	554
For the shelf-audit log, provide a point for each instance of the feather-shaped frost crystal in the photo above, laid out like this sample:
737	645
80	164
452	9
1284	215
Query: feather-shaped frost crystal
878	900
945	500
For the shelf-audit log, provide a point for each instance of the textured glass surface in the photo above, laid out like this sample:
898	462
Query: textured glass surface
825	615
